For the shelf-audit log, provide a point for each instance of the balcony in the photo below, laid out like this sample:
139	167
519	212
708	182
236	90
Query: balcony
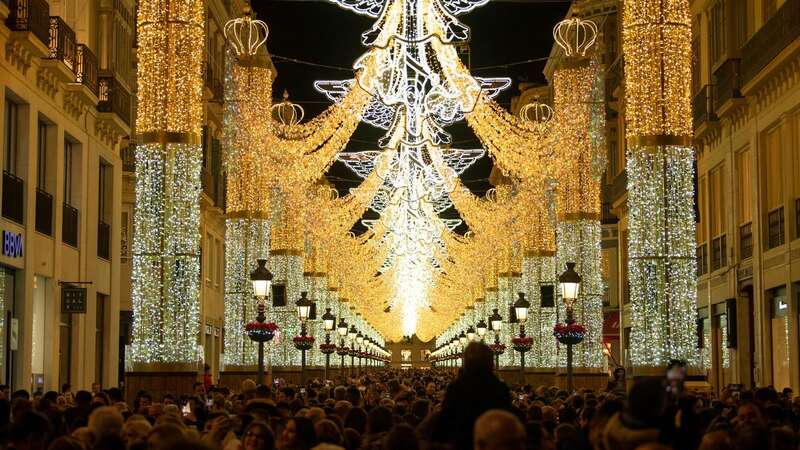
30	15
775	227
213	84
701	253
746	241
728	83
69	228
128	159
62	42
114	99
13	197
86	68
703	107
779	31
44	212
719	253
104	240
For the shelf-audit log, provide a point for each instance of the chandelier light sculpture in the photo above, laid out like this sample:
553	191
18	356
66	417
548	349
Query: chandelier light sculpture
166	261
579	110
657	45
248	95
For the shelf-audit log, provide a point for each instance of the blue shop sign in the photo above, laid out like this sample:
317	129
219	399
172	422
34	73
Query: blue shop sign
12	244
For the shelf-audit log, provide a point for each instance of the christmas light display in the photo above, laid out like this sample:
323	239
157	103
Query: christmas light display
166	263
658	114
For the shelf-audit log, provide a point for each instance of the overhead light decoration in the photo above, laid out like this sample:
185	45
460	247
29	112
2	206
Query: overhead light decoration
658	116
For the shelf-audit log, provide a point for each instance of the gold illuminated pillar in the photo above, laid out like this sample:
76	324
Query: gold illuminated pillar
578	90
248	97
166	262
661	267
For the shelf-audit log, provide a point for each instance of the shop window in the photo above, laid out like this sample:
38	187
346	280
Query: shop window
779	333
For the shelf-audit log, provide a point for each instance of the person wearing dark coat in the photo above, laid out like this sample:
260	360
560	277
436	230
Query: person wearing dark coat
475	391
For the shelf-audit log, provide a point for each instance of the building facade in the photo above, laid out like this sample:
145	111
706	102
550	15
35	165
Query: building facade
747	134
66	109
746	87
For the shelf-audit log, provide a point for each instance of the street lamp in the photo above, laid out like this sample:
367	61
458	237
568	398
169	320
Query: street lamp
521	310
496	321
471	333
303	311
359	341
342	330
481	327
328	323
352	337
570	284
262	281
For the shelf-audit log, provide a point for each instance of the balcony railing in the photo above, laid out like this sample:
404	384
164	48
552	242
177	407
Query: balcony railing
62	42
86	68
779	31
719	253
746	240
103	240
30	15
115	99
775	227
703	106
44	212
13	197
728	82
213	83
129	159
69	228
701	254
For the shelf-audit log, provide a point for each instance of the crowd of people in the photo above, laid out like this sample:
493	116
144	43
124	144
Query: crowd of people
404	410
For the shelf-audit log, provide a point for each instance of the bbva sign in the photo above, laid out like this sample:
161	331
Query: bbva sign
12	244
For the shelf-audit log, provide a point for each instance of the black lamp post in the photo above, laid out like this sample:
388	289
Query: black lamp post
570	283
360	341
496	321
342	330
262	281
352	336
481	328
328	322
521	310
303	311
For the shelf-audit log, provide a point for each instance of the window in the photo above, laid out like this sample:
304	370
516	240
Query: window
773	187
99	342
716	217
41	158
696	55
12	137
744	202
103	211
68	163
716	24
13	187
64	349
702	249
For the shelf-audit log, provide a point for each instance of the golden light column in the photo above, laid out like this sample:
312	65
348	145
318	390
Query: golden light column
166	262
657	48
578	88
248	98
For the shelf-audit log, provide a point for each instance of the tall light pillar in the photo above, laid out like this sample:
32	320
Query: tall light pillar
578	90
658	116
166	260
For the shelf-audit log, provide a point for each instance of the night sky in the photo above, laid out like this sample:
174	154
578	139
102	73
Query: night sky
323	33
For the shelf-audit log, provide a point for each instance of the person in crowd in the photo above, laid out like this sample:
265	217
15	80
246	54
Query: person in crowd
499	430
475	391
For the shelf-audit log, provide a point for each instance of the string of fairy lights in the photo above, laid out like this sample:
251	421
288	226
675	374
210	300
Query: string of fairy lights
410	272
